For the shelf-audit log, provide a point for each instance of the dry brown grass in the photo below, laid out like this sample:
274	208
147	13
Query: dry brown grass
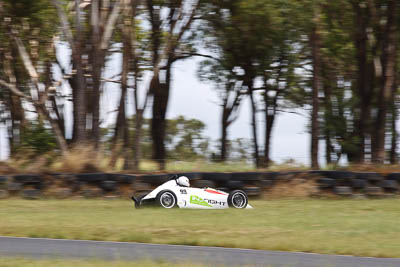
293	186
6	169
82	159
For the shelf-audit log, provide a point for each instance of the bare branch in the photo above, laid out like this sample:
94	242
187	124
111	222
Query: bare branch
27	61
110	25
14	89
110	81
66	28
188	55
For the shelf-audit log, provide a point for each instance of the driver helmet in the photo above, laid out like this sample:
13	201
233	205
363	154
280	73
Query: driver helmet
183	181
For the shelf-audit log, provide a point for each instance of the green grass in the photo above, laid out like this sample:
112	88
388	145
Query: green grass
356	227
17	262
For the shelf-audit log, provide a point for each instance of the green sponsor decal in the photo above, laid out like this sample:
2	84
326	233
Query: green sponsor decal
198	201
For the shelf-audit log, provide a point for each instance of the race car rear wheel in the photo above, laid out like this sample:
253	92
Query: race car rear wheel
238	199
166	199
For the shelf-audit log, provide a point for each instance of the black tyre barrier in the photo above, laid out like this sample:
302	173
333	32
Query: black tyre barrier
108	186
31	194
121	178
3	179
216	177
27	179
269	175
246	176
91	177
370	176
343	190
14	187
326	182
4	194
394	176
266	183
234	185
203	184
343	183
252	191
76	186
65	179
359	183
336	174
389	184
373	191
155	180
140	187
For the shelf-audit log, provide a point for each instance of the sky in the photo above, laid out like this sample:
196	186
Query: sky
194	99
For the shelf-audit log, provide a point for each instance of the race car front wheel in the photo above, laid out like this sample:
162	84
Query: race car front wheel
166	199
238	199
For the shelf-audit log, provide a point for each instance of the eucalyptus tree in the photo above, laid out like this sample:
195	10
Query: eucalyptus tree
27	30
170	23
88	28
253	45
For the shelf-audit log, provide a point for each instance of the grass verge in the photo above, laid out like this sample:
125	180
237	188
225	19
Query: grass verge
353	227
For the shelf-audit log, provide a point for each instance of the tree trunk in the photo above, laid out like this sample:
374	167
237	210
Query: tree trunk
268	134
393	150
79	86
96	72
224	131
254	125
389	78
329	79
121	131
17	121
270	113
159	124
137	149
363	86
58	135
315	90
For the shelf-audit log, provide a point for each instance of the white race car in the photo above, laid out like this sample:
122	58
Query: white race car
178	193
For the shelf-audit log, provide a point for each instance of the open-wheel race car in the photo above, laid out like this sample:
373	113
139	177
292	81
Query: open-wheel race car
177	193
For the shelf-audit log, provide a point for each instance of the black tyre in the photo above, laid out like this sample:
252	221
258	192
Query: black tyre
389	184
166	199
121	178
233	185
108	186
93	178
370	176
252	191
394	176
359	183
326	182
238	199
30	194
216	177
246	176
343	190
373	191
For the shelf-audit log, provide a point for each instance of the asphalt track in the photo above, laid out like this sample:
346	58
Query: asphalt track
75	249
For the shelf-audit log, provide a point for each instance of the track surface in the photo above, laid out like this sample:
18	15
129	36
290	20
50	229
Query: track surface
74	249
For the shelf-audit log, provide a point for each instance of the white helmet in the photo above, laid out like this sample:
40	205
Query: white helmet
183	181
